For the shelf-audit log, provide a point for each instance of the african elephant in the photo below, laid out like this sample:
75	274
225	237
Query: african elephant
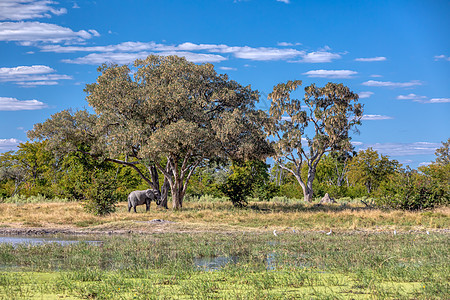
136	198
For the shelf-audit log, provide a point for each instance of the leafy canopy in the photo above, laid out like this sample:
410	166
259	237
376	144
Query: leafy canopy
163	109
305	129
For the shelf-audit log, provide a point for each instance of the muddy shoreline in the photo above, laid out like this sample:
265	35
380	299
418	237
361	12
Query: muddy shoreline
33	231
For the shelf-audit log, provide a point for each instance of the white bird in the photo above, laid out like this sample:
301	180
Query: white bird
428	232
275	233
395	232
329	233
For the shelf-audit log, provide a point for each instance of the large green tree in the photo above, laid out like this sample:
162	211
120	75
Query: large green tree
11	171
443	153
304	130
164	113
370	169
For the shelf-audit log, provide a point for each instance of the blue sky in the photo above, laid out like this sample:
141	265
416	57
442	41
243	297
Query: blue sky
394	54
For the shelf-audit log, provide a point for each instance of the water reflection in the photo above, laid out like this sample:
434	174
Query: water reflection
35	241
214	263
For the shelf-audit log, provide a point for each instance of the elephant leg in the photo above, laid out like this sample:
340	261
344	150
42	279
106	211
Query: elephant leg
134	207
129	207
147	206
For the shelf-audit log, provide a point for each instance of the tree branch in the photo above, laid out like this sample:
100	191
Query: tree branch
133	165
190	173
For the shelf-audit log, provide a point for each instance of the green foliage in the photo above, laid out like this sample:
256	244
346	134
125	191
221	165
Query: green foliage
249	178
12	173
330	111
34	172
237	187
370	169
411	190
443	153
101	198
207	180
165	113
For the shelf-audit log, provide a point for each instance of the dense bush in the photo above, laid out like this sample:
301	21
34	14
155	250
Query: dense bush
100	184
248	179
412	190
101	198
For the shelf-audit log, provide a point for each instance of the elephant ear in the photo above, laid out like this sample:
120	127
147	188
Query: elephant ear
157	197
150	194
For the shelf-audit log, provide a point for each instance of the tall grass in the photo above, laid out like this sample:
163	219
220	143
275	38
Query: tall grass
287	266
222	216
21	199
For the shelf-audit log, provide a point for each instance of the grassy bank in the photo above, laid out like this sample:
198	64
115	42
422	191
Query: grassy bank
247	266
222	216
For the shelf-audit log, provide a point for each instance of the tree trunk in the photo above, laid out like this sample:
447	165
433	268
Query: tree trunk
154	175
165	189
177	194
164	193
308	194
308	190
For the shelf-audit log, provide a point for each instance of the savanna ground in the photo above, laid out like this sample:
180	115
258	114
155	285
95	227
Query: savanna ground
212	250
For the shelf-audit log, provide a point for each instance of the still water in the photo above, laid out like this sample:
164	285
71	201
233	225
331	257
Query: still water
35	241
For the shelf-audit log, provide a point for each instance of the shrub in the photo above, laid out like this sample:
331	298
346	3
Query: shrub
101	198
249	178
266	191
412	190
237	188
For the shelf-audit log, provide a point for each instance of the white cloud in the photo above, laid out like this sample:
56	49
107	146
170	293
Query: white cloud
94	32
331	73
244	52
423	99
392	84
12	104
28	33
125	58
31	75
190	50
365	94
439	100
376	76
227	68
36	83
122	47
195	57
284	1
262	53
375	117
99	58
9	144
28	9
75	5
320	56
371	59
413	97
404	149
25	70
442	57
286	44
425	163
354	143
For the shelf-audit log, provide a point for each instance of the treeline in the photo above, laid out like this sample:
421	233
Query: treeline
33	170
183	129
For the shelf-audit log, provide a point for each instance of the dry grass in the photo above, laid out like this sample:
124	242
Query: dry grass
198	216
